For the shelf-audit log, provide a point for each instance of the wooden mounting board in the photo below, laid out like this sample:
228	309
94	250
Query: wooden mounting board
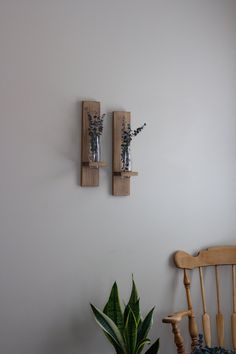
120	184
126	174
95	164
89	176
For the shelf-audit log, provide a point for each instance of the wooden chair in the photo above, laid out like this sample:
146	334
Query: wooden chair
216	257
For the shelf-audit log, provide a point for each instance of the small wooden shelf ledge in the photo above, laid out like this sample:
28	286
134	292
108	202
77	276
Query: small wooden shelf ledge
125	173
95	164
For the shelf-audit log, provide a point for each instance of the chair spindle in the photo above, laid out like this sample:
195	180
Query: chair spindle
193	330
205	317
219	315
233	317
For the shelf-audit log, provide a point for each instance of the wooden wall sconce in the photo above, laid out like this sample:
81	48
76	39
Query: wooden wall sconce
89	168
120	174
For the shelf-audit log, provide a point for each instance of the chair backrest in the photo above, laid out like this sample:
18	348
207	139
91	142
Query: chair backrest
216	257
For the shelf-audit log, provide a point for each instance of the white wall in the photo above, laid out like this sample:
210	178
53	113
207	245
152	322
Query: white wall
172	64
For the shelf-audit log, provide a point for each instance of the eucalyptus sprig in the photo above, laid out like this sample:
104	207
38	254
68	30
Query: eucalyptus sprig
124	327
95	130
127	135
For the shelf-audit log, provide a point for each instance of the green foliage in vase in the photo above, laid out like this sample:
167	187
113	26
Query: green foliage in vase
124	327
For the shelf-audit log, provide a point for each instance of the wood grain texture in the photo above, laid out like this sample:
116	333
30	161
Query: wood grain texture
120	184
219	315
206	324
193	330
205	317
209	257
95	164
89	176
202	290
233	324
220	329
179	342
125	173
177	317
192	324
233	317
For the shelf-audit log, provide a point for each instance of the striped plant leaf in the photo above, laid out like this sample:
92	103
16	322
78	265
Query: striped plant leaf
113	309
145	326
133	302
131	332
134	294
109	327
154	347
141	345
115	345
136	311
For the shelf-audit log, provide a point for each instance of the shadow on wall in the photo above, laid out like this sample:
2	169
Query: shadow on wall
78	131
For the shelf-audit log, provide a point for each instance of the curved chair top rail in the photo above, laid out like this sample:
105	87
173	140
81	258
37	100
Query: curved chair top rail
225	255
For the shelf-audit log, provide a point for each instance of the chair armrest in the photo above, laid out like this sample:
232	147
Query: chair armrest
177	317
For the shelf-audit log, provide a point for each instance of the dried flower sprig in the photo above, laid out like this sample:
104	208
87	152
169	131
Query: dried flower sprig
95	124
128	133
126	138
95	130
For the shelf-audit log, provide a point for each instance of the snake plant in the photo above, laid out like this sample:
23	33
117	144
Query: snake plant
124	327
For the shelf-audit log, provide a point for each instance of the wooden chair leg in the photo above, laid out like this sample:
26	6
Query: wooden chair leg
178	339
193	331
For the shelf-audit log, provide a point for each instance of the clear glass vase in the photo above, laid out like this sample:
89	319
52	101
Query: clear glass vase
95	149
126	160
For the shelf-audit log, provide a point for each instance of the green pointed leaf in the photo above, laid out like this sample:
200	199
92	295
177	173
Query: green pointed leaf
133	302
113	309
141	345
131	332
140	323
145	326
115	345
134	294
126	312
136	311
154	348
109	327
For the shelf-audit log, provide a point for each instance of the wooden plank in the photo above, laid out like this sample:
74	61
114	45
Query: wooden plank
95	164
219	315
120	185
126	174
211	256
89	176
205	317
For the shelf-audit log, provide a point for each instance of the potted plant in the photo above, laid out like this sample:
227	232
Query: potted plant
124	327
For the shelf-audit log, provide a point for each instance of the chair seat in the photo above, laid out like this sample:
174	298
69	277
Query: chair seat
213	350
200	349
